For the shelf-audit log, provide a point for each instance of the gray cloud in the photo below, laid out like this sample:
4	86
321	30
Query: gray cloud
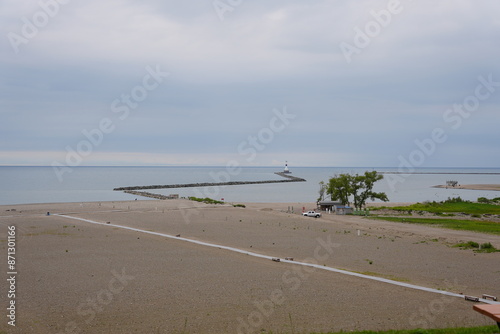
226	77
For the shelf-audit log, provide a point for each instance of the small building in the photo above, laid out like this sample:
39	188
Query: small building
343	210
327	205
336	207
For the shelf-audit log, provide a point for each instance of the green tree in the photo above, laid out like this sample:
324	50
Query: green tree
364	184
322	189
339	188
360	187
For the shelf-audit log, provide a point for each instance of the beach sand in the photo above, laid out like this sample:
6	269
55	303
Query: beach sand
78	277
494	187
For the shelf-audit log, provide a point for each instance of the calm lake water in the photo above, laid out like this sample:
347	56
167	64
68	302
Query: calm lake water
20	185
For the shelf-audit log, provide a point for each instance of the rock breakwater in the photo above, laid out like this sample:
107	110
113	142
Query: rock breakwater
288	178
151	195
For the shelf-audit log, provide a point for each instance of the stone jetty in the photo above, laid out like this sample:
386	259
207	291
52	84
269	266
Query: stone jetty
151	195
288	178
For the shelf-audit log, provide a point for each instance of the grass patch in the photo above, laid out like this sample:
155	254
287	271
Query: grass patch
239	205
451	206
205	200
471	330
483	248
458	330
454	224
489	201
468	245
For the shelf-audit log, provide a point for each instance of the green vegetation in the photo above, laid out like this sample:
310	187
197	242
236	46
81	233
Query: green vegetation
489	201
468	245
449	208
473	330
456	205
483	248
239	205
460	330
454	224
360	187
205	200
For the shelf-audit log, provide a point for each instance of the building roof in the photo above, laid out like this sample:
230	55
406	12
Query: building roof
329	203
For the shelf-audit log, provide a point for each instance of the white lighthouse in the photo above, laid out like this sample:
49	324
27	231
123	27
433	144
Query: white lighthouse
286	168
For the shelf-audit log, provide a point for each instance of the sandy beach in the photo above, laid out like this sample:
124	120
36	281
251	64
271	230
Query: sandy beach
494	187
74	276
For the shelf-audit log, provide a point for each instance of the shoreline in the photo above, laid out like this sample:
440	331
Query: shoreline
277	192
164	199
489	187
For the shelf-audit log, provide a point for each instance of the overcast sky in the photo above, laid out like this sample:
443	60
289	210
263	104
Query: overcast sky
254	82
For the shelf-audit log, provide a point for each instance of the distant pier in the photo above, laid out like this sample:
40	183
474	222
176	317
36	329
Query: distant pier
288	178
151	195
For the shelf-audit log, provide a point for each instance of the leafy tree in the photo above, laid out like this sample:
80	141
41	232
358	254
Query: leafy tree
364	183
322	189
339	188
360	187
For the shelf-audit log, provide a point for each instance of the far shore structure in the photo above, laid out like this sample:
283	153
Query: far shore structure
491	187
286	170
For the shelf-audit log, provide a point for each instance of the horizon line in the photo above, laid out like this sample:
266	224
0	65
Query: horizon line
250	166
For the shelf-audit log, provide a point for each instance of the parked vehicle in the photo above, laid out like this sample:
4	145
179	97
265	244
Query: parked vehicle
311	214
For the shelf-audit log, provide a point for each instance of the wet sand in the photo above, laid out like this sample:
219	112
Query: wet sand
77	277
